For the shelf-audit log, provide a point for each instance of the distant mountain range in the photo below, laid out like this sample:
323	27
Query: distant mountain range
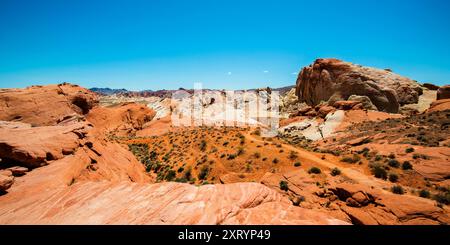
162	93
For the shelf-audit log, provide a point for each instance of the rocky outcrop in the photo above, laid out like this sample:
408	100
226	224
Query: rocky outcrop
45	105
362	205
6	180
443	92
333	80
164	203
36	146
430	86
122	120
439	105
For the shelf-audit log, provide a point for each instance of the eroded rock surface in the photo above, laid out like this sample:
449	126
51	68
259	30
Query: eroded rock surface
45	105
332	79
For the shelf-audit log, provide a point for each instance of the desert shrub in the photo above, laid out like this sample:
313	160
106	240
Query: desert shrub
284	185
314	170
443	198
222	155
257	132
203	145
420	156
379	172
393	177
225	143
336	153
396	189
181	169
424	194
240	151
275	160
391	156
181	180
409	150
393	163
378	157
231	156
170	175
297	164
353	159
406	165
188	174
335	172
264	158
257	155
204	171
293	155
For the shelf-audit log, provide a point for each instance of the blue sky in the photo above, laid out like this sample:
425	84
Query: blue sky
223	44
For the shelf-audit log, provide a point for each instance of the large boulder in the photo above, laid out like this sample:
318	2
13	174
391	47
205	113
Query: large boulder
45	105
333	80
6	180
443	92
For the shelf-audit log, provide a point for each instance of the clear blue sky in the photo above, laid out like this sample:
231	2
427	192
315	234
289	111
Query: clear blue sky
223	44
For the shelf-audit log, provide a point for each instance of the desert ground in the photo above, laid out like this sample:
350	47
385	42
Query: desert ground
355	145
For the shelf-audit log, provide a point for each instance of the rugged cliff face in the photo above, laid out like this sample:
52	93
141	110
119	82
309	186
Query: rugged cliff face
333	80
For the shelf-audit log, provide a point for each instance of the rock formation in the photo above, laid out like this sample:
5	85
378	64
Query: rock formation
334	80
443	92
45	105
165	203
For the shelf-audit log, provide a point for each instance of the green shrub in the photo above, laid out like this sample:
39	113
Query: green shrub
181	180
424	194
314	170
293	155
406	165
378	157
204	171
409	150
188	174
335	172
379	172
393	177
231	156
393	163
171	174
203	145
240	151
396	189
257	155
443	198
422	156
297	164
284	185
354	159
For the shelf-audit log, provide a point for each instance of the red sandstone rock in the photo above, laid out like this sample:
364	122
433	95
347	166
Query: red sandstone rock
164	203
345	105
443	92
439	105
45	105
36	146
332	79
5	182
